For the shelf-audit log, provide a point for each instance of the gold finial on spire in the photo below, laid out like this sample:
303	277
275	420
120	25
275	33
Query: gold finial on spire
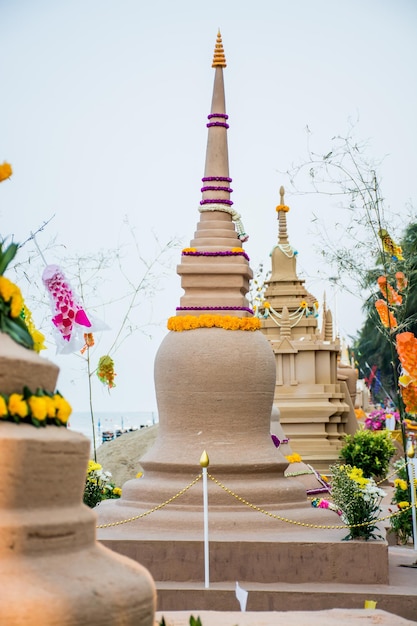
219	60
282	209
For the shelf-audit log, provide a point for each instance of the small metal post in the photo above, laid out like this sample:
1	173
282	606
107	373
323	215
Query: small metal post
204	462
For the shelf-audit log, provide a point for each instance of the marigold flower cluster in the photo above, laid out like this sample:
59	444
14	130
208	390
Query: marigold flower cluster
39	409
227	322
282	207
11	293
387	318
37	336
294	458
401	281
389	293
105	371
406	345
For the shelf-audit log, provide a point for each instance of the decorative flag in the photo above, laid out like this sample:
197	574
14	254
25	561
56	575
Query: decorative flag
390	247
70	320
242	596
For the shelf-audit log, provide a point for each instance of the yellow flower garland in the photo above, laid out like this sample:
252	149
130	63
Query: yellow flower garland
227	322
282	207
38	409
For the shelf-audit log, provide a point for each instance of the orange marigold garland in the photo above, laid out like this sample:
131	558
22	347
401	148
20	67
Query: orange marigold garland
227	322
406	344
401	281
105	371
389	292
409	395
387	318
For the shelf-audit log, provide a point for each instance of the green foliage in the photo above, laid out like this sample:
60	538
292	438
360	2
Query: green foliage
371	451
402	524
11	321
373	344
359	499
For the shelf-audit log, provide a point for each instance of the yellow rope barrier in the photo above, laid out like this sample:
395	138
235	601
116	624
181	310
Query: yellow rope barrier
255	508
305	524
155	508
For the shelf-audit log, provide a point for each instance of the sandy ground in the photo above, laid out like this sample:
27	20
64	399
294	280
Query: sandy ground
121	456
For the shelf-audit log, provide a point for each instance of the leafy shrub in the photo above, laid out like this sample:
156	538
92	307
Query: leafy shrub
370	451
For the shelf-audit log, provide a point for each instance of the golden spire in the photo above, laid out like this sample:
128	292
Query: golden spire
219	60
282	219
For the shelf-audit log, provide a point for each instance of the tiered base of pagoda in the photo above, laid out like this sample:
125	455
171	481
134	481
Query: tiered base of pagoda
244	545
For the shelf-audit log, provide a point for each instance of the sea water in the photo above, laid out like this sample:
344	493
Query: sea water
110	422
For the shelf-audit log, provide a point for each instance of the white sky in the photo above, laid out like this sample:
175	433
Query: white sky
103	107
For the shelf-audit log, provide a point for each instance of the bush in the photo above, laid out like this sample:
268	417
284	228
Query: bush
98	485
370	451
402	523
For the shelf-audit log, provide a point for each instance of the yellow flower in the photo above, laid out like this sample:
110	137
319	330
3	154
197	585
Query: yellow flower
3	407
50	407
402	484
17	405
266	305
403	505
38	408
117	491
93	466
38	340
63	408
282	207
139	475
37	336
293	458
190	250
405	380
303	304
5	171
7	289
16	305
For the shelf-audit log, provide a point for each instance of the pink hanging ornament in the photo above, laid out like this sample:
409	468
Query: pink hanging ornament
69	318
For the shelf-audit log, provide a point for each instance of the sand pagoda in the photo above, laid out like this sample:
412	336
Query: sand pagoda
215	379
314	405
52	570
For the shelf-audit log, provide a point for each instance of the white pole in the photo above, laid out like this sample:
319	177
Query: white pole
204	462
412	475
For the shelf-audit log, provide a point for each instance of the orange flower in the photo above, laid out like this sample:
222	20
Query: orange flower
282	207
389	292
89	342
409	395
5	171
228	322
387	318
401	281
406	344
